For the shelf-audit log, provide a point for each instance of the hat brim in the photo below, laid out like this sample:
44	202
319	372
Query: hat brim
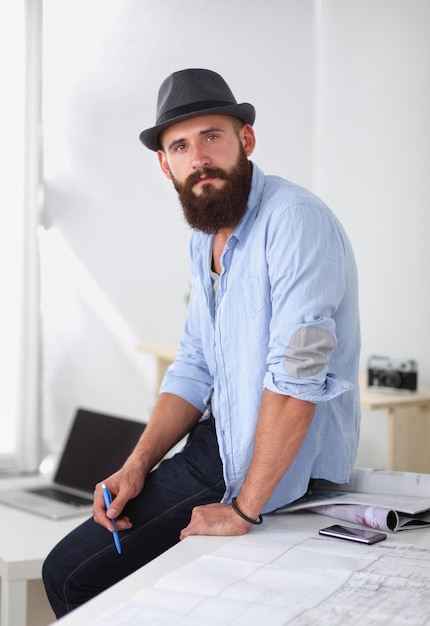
244	111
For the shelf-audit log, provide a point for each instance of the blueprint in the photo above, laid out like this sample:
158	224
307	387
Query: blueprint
287	577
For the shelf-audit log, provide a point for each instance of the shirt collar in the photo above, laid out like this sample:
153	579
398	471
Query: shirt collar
244	227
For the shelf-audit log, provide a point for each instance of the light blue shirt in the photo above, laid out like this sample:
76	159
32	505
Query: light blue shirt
285	318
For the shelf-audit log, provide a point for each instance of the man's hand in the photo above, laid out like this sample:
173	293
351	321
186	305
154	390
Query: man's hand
125	484
215	519
171	419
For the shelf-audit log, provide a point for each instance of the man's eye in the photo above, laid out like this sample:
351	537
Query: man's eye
180	147
211	137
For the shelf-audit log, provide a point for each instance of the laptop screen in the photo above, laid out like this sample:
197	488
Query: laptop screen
97	446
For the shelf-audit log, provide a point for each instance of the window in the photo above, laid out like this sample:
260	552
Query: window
20	35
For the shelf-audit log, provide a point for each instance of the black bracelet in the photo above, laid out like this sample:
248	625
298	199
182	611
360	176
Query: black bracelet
236	509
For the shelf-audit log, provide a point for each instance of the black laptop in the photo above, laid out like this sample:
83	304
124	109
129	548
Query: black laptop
96	447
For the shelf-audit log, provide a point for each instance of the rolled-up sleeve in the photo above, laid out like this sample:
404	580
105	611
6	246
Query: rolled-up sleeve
308	283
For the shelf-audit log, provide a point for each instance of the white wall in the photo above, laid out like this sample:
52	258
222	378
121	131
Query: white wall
342	96
372	161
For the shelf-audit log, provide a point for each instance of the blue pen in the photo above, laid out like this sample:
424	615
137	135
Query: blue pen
108	499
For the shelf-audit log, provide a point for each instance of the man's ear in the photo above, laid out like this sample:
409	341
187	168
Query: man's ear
247	137
163	164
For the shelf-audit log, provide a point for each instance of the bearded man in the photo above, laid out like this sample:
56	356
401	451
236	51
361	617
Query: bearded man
265	379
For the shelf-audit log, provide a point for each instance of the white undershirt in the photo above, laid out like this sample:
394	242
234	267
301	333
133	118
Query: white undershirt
215	283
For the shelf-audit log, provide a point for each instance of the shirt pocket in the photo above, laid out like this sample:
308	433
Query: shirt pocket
249	297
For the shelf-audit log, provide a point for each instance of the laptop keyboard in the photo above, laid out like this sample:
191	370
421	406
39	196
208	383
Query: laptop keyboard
61	496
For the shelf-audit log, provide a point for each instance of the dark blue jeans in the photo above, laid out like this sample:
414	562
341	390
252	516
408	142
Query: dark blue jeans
86	562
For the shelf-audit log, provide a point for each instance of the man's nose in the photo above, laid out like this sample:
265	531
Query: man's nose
200	158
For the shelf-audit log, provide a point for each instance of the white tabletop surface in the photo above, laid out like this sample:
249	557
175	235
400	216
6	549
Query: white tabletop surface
26	539
194	547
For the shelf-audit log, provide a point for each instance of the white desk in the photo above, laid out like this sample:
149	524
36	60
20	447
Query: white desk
25	541
194	547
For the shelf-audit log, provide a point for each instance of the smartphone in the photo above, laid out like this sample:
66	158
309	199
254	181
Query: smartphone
353	534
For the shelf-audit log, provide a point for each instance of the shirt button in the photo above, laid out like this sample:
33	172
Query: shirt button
345	385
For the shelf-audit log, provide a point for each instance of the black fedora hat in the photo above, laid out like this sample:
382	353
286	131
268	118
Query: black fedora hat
190	93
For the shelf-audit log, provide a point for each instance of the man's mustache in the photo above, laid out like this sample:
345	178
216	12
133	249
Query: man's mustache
209	172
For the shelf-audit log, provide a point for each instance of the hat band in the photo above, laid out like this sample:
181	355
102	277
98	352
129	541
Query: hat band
192	108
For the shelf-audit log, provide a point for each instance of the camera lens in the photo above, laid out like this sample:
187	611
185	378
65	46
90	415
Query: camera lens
390	379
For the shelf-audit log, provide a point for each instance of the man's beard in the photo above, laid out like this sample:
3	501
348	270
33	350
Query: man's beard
214	208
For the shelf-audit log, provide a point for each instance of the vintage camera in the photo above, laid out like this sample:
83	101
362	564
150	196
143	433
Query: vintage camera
392	374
